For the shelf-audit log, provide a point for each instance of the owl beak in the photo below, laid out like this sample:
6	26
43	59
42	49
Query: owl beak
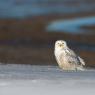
61	45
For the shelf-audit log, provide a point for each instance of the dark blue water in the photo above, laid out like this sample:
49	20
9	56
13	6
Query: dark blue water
24	8
72	26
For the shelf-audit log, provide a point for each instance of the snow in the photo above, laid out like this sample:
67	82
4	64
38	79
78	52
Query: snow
71	26
45	80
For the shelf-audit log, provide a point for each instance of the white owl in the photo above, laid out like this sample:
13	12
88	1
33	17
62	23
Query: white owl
66	58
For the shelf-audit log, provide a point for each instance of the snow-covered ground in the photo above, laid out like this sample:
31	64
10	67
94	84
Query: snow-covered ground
45	80
71	26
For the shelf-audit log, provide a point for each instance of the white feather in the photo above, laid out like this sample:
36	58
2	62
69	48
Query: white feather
66	58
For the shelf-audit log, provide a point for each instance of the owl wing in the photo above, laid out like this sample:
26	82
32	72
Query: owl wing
73	58
81	60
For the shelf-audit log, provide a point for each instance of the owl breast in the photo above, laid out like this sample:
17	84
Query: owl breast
63	62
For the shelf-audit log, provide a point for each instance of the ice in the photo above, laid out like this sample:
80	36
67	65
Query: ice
71	25
45	80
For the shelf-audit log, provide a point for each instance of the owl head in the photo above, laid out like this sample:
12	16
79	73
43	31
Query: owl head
60	44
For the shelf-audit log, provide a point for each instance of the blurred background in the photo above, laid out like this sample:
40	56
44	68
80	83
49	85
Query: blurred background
29	29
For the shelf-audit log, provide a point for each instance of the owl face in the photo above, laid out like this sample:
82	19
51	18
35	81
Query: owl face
60	44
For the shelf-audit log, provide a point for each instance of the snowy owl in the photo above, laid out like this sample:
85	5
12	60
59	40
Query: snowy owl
66	58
